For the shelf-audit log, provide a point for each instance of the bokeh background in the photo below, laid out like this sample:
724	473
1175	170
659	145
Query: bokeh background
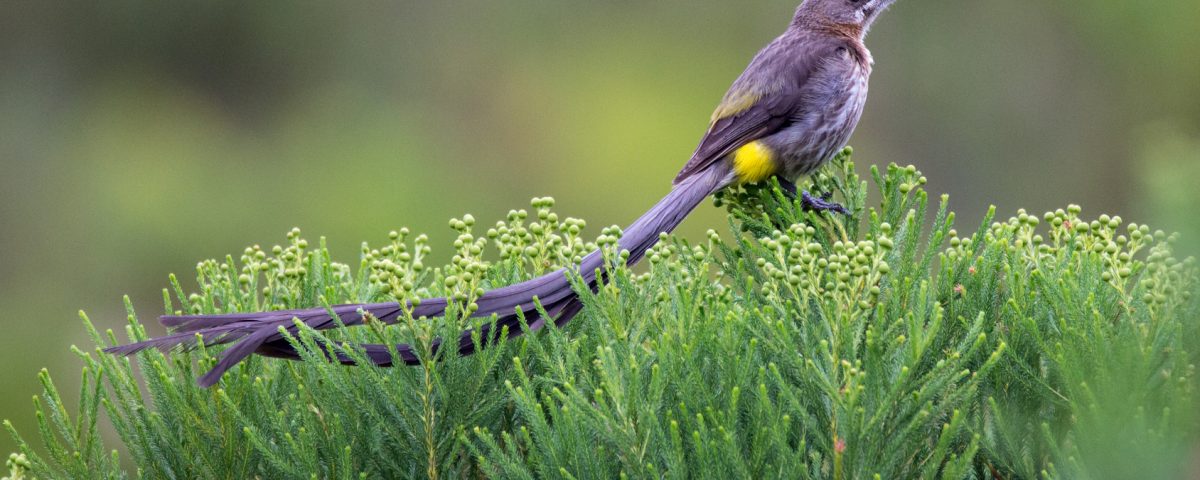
137	138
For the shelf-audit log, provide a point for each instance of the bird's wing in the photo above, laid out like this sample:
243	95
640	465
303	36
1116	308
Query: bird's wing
729	133
763	99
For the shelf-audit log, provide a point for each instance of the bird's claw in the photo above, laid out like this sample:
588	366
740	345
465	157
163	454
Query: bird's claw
789	189
822	204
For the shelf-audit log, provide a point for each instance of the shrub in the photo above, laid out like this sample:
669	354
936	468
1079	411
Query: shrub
881	345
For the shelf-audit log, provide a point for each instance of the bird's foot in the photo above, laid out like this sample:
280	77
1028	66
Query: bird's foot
789	188
822	204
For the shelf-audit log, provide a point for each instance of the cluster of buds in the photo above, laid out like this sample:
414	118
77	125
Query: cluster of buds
397	268
909	177
463	278
18	466
1057	237
1167	280
682	263
544	244
609	244
282	273
848	273
279	277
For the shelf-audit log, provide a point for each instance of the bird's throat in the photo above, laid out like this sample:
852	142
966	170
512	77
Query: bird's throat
754	162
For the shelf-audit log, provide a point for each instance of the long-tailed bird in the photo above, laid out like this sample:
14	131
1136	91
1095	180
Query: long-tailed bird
790	112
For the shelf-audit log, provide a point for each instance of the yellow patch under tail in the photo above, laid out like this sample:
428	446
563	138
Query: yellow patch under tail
754	162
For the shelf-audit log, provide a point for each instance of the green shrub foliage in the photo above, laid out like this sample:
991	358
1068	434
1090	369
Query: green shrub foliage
883	345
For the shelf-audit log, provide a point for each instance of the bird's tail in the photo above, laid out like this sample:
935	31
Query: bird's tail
259	332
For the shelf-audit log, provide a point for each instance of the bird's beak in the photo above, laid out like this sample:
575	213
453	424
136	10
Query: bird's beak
874	7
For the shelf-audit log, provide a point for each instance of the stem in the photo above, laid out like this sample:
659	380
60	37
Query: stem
429	416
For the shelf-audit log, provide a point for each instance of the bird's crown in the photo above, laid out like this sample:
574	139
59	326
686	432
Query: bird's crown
858	13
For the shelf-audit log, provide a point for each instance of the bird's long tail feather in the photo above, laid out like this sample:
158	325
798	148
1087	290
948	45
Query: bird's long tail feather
259	332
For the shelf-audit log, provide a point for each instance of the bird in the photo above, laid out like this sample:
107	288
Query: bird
791	111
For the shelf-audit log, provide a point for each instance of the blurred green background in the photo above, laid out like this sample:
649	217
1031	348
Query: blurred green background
137	138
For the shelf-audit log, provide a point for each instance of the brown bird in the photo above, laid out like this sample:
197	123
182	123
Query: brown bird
790	112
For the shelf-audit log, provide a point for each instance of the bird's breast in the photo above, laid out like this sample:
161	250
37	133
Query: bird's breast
833	104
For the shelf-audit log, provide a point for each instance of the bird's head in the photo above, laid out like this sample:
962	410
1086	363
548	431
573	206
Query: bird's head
859	13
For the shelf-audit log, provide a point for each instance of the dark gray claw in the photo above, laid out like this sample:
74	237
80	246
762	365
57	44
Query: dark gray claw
822	204
788	187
